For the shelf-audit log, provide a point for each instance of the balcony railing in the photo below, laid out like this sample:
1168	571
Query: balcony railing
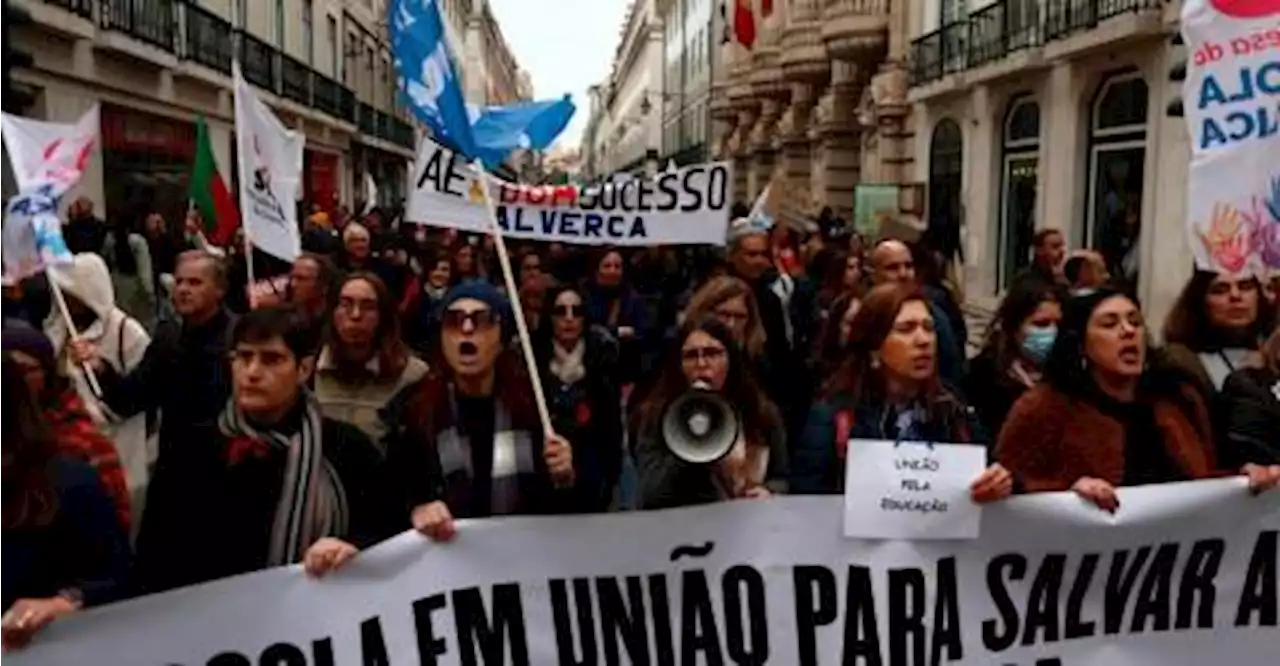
259	63
367	120
82	7
1007	26
185	28
295	80
152	21
209	39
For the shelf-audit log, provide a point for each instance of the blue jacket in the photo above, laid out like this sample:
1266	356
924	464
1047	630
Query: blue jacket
817	467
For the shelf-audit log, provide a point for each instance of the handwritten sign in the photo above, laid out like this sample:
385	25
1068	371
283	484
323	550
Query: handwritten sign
911	490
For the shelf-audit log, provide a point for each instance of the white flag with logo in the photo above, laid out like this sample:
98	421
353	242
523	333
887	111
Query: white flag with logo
270	165
48	159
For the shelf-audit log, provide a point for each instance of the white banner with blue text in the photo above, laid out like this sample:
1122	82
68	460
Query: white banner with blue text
1180	574
683	207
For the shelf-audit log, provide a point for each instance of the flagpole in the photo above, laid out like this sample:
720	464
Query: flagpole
522	328
248	263
72	333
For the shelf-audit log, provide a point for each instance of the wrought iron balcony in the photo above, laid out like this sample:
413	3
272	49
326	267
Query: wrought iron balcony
346	104
940	52
1008	26
260	62
295	80
367	120
152	21
326	95
208	39
400	132
81	7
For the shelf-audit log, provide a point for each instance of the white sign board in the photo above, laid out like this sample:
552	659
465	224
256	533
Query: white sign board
1231	100
688	206
911	490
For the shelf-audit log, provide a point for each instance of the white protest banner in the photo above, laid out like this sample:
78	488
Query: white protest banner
911	490
688	206
1231	98
1182	574
48	159
270	163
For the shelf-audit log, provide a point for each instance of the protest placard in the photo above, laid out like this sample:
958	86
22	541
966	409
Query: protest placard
1230	102
1183	574
911	490
688	206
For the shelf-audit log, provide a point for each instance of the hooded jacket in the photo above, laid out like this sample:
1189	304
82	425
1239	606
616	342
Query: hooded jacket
121	343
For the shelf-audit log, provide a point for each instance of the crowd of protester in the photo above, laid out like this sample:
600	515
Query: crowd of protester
194	427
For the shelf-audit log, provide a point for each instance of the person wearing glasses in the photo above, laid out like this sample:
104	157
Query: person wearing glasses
578	361
364	364
271	481
469	443
707	354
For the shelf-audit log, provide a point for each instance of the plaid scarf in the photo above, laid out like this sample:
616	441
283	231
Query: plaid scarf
78	437
513	459
312	501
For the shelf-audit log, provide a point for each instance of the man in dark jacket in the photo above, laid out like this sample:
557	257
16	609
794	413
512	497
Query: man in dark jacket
751	261
184	371
269	482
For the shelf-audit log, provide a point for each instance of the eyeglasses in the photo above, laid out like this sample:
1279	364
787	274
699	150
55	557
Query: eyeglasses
568	311
480	319
696	355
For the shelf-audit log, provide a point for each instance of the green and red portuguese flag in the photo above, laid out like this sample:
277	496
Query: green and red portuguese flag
209	192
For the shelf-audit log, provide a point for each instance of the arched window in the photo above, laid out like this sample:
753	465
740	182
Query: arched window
1020	148
946	163
1117	152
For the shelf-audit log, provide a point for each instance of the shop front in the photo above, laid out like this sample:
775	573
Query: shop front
147	162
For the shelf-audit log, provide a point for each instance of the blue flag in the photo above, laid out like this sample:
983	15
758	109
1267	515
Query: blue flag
425	70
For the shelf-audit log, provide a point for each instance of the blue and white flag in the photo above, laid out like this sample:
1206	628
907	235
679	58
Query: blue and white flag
47	160
426	74
424	67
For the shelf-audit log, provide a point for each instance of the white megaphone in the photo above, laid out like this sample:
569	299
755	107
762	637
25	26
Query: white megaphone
700	426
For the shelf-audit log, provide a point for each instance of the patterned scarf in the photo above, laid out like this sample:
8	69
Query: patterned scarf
312	502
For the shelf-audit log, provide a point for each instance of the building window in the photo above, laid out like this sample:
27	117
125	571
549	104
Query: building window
280	24
307	31
331	35
1019	179
1117	152
946	164
241	17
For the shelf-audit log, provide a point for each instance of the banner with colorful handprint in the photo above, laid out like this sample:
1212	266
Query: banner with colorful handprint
47	160
1232	101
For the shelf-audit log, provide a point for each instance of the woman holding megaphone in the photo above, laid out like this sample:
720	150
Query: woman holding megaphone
706	432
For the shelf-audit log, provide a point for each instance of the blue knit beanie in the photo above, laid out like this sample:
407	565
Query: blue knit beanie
485	293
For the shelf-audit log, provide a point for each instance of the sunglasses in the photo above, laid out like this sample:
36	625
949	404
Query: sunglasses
697	355
480	319
570	311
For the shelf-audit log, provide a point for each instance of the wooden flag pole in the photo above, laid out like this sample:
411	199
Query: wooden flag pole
72	333
522	328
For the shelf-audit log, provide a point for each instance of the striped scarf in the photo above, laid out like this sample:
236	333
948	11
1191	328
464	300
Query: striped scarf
312	501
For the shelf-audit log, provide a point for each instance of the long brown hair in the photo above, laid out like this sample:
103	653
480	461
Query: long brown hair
759	415
857	380
1188	321
392	353
718	290
29	451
